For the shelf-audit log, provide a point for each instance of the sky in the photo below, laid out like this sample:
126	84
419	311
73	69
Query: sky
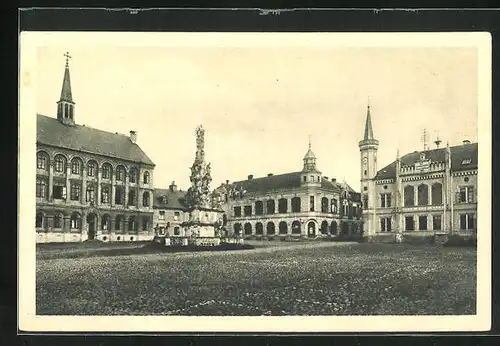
259	104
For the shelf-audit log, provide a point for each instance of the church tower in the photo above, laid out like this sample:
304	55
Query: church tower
368	148
65	105
311	176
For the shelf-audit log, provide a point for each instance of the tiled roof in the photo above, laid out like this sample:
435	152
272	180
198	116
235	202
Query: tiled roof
282	182
459	153
175	199
83	138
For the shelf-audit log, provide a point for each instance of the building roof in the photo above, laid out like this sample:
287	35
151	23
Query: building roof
51	131
459	153
175	199
66	86
282	182
368	126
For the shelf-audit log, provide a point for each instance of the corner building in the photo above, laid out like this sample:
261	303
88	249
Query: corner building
303	204
420	193
90	184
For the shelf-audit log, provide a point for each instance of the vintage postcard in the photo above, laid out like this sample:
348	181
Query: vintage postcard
254	182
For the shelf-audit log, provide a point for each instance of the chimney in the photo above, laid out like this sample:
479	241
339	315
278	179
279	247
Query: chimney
173	187
334	180
466	141
133	136
227	182
269	174
250	177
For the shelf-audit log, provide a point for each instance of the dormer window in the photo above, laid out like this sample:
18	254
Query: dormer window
466	161
422	157
164	199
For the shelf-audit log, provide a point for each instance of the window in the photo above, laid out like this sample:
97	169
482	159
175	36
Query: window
270	207
90	195
41	161
409	196
466	221
237	228
324	205
324	227
466	194
311	178
247	210
39	220
385	200
311	203
75	191
237	211
146	178
296	205
333	228
423	194
145	224
105	194
305	178
132	175
248	228
270	228
106	171
282	205
177	231
75	221
296	229
120	173
41	188
409	223
177	215
132	224
145	199
259	208
334	206
437	194
259	228
365	201
119	195
91	167
385	224
59	192
422	223
105	222
436	222
118	223
59	163
58	221
283	227
131	197
76	166
162	215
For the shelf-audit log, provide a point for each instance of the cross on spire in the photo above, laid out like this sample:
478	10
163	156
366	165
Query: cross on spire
309	141
67	58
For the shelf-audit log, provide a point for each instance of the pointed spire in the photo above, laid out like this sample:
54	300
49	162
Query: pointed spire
309	142
66	86
368	124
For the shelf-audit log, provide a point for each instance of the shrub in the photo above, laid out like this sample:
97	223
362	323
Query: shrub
458	240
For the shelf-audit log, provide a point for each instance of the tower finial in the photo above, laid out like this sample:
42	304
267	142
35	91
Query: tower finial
309	141
67	58
424	138
438	140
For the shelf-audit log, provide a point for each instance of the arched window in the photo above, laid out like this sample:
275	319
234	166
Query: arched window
90	193
131	197
58	220
296	229
76	166
248	228
333	206
132	175
66	110
259	208
105	192
270	228
60	164
324	227
283	227
423	194
120	173
71	111
270	207
145	199
259	228
437	194
76	221
146	178
91	168
39	221
132	224
409	196
282	205
145	223
105	222
119	195
324	205
333	228
41	188
42	160
296	205
237	228
118	222
106	171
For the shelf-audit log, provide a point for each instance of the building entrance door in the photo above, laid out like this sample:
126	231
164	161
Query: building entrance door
311	229
92	225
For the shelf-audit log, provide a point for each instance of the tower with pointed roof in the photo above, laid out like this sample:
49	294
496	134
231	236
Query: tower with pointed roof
368	147
311	176
65	105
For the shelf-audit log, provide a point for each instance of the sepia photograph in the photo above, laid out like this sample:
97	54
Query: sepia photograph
255	181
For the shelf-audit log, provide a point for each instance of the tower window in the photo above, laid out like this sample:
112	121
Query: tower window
366	172
305	178
311	203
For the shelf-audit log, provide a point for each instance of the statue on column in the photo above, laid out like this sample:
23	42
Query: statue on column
198	194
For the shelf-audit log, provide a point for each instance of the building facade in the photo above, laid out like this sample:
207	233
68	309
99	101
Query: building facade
423	192
299	204
90	184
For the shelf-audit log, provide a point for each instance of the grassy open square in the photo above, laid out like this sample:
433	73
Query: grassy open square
275	278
